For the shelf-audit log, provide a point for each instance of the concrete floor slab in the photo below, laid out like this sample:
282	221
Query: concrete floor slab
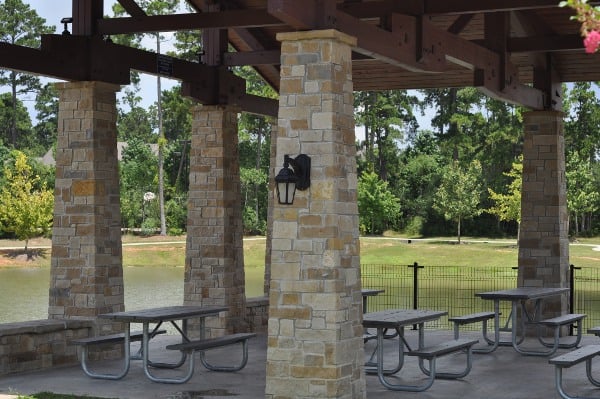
499	375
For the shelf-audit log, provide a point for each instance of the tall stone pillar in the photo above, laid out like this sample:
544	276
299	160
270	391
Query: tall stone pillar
214	265
543	236
86	276
315	347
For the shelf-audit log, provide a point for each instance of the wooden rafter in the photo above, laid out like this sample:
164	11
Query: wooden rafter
132	8
167	23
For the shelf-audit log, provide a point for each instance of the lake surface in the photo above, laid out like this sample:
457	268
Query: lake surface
24	291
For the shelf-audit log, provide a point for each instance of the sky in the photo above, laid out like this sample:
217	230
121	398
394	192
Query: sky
54	10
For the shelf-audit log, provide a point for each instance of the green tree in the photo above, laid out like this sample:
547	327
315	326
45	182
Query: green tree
20	25
46	105
582	125
133	120
582	191
387	117
13	118
459	194
508	206
177	119
378	208
251	178
24	210
138	171
254	148
457	119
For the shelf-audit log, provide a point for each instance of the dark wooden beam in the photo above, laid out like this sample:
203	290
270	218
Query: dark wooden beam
296	14
34	61
456	49
265	57
259	105
132	8
460	23
547	79
399	47
214	40
270	73
168	23
470	6
496	29
491	74
376	9
222	88
85	14
551	43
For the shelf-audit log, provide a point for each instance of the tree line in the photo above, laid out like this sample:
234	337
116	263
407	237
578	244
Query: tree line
460	176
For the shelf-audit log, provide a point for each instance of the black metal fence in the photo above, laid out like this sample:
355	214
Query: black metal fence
453	288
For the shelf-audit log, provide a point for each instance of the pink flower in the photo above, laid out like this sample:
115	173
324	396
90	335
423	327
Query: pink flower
591	41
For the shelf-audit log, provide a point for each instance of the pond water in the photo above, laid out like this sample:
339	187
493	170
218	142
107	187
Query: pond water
24	291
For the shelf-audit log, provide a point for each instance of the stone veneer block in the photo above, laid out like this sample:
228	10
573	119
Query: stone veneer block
315	347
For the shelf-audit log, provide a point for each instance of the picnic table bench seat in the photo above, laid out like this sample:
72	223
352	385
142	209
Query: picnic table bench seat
583	354
112	338
431	353
594	330
559	321
117	338
203	345
479	317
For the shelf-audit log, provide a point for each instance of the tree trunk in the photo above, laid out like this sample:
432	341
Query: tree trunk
161	161
459	230
13	119
258	159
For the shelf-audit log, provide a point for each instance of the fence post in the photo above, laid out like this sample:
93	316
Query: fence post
572	269
416	268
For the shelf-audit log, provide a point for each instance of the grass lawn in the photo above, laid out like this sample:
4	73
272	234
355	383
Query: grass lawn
157	251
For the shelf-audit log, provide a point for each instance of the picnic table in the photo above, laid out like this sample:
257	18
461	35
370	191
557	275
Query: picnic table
398	319
519	297
158	316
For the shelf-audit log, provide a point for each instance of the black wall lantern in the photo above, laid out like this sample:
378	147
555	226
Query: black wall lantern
288	180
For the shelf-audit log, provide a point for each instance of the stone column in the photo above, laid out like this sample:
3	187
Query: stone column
315	347
86	276
214	265
543	236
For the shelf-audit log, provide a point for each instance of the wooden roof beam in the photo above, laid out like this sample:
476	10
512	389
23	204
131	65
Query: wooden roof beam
256	44
173	22
132	8
376	9
460	23
259	105
491	74
543	44
307	14
241	58
433	7
400	47
85	13
37	62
